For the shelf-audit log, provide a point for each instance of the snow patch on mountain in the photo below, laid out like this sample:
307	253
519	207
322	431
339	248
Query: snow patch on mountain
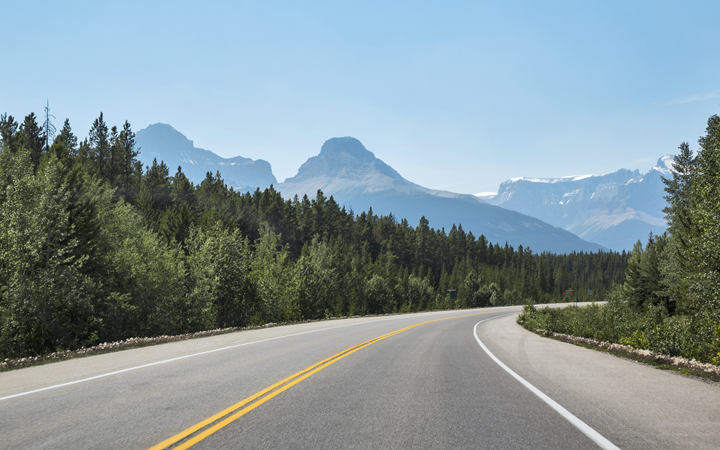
552	180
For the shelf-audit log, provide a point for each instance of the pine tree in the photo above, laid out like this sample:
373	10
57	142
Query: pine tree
99	148
680	203
32	139
65	145
8	132
124	159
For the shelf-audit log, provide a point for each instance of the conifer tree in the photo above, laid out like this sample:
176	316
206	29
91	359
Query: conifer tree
32	138
65	145
8	132
99	147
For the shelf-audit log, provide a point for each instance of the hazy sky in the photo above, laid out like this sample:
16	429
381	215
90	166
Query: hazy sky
453	95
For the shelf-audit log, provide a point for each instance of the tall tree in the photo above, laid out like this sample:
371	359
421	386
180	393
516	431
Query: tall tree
32	138
127	161
8	132
99	146
65	146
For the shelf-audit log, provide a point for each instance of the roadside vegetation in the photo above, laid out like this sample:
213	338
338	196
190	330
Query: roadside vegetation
669	303
95	248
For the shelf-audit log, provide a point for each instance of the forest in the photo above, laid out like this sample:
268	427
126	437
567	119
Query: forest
95	248
669	302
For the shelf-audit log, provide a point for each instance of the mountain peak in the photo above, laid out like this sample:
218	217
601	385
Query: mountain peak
163	142
665	165
345	158
165	133
345	145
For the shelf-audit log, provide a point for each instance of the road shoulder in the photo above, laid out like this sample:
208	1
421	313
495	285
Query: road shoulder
631	404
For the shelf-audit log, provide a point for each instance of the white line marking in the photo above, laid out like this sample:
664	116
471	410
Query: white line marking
201	353
579	424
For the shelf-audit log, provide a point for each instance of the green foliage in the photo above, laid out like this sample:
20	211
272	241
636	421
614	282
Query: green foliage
221	291
271	272
44	301
473	285
619	322
694	215
316	280
32	139
418	294
512	297
378	295
8	132
645	284
96	248
141	275
670	302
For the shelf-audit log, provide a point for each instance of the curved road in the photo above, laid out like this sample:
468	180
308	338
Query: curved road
425	383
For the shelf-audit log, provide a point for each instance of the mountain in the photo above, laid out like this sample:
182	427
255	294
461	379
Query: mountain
163	142
357	179
614	210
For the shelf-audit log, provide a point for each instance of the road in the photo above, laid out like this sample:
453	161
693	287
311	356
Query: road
426	383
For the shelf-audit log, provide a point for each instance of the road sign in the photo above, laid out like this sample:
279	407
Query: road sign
590	292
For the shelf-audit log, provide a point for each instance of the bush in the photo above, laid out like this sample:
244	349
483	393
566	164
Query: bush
617	322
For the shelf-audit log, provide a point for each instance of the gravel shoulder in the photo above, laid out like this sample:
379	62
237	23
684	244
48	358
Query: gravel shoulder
632	404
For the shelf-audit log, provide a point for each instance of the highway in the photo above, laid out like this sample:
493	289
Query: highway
400	381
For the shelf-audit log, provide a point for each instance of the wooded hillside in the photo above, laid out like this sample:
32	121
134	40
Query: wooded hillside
95	248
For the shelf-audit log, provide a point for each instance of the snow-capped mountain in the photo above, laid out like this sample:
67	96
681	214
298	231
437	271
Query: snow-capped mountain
614	210
165	143
357	179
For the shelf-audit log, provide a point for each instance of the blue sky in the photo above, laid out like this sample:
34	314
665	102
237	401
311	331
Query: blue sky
454	95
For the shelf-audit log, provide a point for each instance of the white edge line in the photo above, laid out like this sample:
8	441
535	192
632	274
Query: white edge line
34	391
579	424
175	359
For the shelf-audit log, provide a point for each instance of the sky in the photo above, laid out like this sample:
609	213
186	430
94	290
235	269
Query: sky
458	96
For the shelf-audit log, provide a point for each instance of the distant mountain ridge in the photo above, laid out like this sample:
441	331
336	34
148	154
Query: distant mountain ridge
345	169
614	209
349	172
164	143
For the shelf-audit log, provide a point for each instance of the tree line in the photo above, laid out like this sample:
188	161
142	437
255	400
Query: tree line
94	247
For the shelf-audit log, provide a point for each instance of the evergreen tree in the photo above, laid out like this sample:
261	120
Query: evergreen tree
8	132
32	139
98	154
221	292
44	302
65	145
124	159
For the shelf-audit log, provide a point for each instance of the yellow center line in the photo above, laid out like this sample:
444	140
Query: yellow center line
240	409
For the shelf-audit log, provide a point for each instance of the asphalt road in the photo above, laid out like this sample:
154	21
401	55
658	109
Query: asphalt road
427	386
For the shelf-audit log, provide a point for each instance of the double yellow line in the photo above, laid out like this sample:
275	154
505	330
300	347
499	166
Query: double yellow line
229	415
